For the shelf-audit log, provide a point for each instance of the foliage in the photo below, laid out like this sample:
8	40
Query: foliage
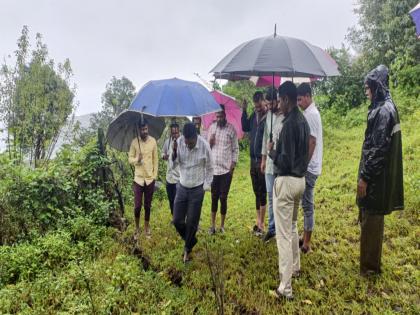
386	35
117	97
345	91
329	282
43	199
36	101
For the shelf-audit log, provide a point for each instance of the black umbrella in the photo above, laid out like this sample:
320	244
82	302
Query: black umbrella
123	129
276	55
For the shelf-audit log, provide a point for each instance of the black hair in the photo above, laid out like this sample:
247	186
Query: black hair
174	125
189	131
288	89
222	107
304	89
143	123
258	96
271	94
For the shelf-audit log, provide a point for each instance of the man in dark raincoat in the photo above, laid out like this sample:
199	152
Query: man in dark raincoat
380	181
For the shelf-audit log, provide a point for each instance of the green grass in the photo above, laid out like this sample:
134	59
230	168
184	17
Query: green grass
115	281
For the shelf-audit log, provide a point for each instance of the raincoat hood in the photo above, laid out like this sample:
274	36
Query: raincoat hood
377	80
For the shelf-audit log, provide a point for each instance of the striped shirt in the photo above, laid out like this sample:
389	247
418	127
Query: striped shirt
225	149
195	165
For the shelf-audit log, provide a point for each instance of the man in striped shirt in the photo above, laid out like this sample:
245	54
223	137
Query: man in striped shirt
224	148
192	153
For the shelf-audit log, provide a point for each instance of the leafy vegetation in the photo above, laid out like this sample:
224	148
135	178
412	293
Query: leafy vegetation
60	252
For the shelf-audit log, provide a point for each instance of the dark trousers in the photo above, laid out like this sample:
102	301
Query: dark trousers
139	191
187	211
258	184
220	190
371	238
171	192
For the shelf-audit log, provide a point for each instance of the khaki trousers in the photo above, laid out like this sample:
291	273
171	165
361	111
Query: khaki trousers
287	193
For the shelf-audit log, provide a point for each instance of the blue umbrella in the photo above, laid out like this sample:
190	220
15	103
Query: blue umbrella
174	98
415	14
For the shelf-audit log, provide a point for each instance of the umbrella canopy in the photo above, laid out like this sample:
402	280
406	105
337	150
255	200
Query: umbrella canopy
232	110
123	129
277	55
174	98
415	15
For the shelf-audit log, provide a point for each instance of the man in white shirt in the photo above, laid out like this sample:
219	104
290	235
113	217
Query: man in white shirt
172	171
313	118
192	153
272	129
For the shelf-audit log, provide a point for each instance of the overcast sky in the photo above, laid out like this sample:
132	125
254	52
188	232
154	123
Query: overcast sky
147	40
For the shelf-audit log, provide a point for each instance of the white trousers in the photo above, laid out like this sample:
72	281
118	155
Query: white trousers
287	193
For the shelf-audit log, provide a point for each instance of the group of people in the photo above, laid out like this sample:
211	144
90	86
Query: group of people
286	159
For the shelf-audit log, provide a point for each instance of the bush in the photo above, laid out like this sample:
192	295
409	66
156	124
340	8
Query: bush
43	199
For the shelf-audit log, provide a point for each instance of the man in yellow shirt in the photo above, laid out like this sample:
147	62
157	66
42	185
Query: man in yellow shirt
143	155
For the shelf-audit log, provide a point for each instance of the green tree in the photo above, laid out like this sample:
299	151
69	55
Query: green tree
385	34
36	99
344	91
117	97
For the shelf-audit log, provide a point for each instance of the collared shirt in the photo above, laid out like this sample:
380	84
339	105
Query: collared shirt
172	171
292	149
195	165
225	149
146	170
277	125
313	118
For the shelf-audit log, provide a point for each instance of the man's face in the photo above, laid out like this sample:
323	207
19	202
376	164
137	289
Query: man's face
304	101
174	133
259	106
190	143
283	104
221	118
368	92
144	132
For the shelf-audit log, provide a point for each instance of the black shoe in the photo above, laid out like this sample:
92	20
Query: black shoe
300	242
268	236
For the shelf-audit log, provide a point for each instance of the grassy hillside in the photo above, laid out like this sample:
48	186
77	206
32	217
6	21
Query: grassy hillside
115	278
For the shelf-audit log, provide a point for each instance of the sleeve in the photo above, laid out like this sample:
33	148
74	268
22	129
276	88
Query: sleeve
132	159
209	133
284	155
374	154
209	168
235	146
264	141
155	161
313	124
245	122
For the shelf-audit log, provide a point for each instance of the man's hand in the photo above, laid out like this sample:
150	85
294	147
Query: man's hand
361	188
165	157
270	146
139	158
232	167
263	163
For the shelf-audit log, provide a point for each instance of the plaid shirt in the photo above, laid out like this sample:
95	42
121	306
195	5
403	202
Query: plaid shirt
226	148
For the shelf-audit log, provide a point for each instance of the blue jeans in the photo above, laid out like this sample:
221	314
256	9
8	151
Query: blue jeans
308	201
269	182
